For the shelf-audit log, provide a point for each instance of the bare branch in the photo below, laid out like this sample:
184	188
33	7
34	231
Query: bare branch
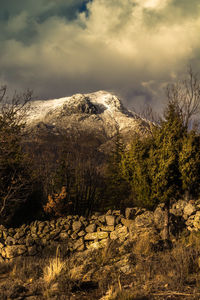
186	93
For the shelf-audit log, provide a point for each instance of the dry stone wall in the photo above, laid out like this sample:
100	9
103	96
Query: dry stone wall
78	233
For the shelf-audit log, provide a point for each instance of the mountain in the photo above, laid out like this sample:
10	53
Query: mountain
100	113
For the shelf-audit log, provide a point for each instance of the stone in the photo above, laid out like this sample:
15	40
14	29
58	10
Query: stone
178	208
74	236
81	233
110	220
102	219
118	219
120	232
32	250
67	227
130	213
11	231
90	228
63	235
76	225
143	223
29	241
35	237
94	217
196	222
144	220
109	212
189	209
19	234
96	235
158	217
98	244
116	212
5	234
79	244
97	223
10	241
127	222
14	251
46	230
107	228
82	219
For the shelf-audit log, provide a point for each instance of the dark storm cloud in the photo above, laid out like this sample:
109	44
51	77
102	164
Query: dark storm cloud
131	47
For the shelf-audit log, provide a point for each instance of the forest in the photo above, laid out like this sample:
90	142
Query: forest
46	176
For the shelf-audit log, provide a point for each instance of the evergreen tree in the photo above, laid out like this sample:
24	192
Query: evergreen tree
164	160
117	187
189	164
135	171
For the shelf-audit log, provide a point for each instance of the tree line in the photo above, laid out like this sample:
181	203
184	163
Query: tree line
42	178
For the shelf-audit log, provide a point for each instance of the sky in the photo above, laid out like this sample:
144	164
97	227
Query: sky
132	48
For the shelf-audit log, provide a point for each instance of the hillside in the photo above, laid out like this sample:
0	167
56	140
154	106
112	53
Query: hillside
101	113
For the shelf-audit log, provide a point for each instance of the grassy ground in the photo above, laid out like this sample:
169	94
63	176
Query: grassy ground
129	271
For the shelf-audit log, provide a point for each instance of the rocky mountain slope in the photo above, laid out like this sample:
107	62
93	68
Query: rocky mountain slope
101	113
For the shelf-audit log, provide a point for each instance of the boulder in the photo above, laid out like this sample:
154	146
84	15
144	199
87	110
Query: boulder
127	222
74	236
116	212
158	216
110	220
143	223
101	219
96	235
63	235
188	210
120	232
107	228
14	251
76	225
97	245
79	244
130	213
144	220
29	241
32	250
90	228
178	208
196	222
10	241
81	233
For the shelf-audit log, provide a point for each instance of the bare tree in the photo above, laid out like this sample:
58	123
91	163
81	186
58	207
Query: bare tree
186	93
14	172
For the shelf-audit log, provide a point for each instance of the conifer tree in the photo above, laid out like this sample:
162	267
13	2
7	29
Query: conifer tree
189	164
117	187
164	160
135	171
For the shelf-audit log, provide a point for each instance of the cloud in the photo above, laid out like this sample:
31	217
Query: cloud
130	47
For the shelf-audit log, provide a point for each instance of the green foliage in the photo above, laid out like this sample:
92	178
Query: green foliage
116	186
164	156
189	164
135	164
165	165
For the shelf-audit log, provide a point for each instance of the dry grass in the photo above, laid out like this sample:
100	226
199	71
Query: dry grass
97	275
54	268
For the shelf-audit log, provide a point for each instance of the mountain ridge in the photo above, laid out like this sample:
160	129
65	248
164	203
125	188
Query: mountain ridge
100	111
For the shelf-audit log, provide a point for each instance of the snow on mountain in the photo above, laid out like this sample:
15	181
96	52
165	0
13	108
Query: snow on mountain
101	111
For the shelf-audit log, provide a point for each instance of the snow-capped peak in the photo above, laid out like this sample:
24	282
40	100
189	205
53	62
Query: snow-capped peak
101	111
